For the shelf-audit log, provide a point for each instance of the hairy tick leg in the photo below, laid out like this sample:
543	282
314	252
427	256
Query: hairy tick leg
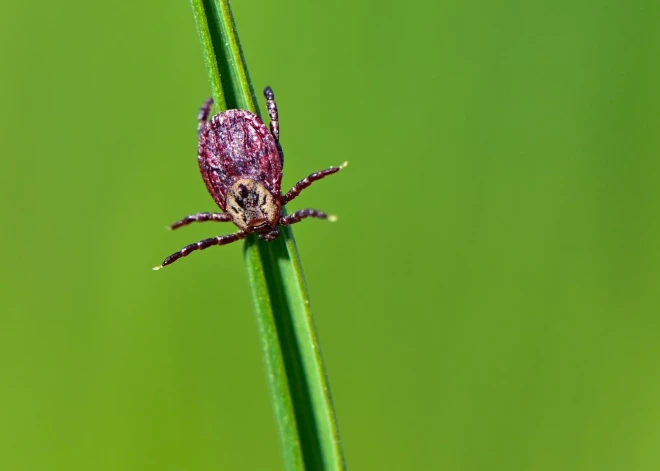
305	213
305	182
201	245
201	217
274	124
203	115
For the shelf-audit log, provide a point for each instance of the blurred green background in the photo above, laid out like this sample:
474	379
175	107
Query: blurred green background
488	300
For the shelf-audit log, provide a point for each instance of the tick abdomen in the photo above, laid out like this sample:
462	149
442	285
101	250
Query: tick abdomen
236	144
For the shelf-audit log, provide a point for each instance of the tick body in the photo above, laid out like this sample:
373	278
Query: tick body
241	162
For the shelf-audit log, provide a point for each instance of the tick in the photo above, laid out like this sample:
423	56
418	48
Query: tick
241	163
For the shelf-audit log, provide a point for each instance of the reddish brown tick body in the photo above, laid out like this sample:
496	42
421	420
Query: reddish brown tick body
241	163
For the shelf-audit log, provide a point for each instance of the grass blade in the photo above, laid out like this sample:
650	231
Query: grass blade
296	374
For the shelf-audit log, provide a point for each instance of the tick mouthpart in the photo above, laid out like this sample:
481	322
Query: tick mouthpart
271	235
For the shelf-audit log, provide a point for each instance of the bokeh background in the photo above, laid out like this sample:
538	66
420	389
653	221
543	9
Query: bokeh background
488	300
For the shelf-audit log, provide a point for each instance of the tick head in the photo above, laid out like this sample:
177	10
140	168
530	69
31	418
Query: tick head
270	234
252	207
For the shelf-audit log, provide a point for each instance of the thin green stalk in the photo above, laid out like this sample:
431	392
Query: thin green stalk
296	375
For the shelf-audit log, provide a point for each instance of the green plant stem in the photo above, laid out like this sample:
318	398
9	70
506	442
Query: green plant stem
296	375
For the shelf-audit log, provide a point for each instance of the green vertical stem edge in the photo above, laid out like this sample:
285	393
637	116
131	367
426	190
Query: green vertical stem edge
296	375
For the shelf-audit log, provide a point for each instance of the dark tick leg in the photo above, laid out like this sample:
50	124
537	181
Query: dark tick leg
201	217
274	121
203	115
304	213
272	113
201	245
305	182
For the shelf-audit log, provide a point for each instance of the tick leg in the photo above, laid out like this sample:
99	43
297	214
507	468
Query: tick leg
203	115
305	182
304	213
201	217
201	245
274	121
272	113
